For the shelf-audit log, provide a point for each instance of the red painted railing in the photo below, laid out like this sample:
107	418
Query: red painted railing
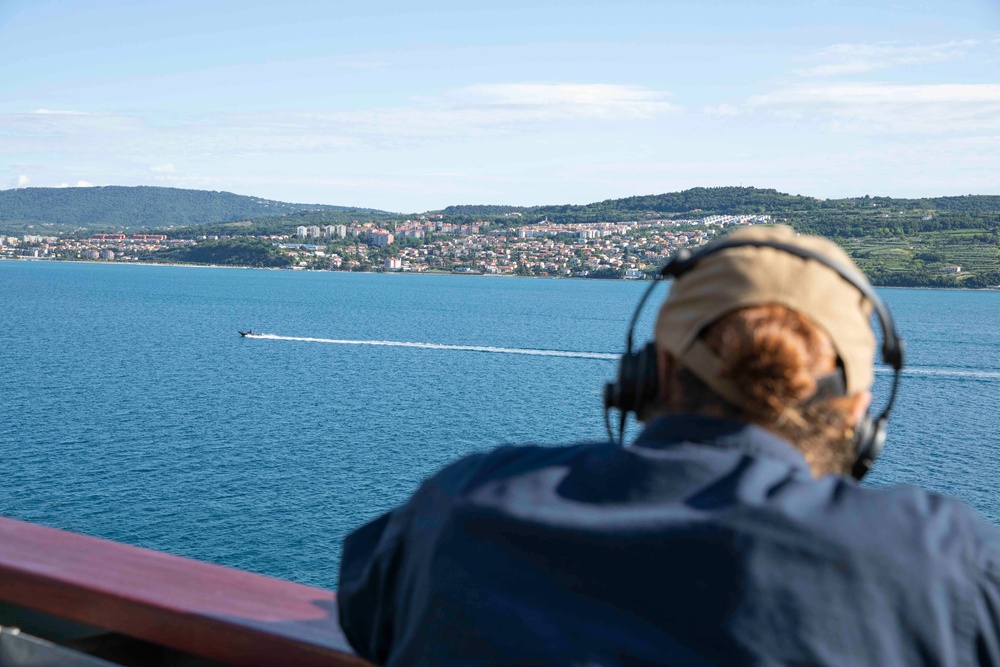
215	612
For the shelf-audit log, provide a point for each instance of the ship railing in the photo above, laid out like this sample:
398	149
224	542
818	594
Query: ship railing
101	600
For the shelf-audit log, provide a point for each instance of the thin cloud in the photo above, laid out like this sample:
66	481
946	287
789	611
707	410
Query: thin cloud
926	109
363	64
852	93
859	58
167	168
506	109
21	181
53	112
722	110
136	136
562	93
571	100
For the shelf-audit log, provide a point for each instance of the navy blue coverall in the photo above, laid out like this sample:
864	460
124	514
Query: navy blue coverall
706	542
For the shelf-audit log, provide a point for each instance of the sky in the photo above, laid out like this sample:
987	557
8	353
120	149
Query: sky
411	107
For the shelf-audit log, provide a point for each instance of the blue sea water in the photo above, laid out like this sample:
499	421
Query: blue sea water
130	408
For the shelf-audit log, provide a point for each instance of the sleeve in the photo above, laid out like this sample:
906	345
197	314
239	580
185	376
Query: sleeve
988	612
364	592
987	648
377	557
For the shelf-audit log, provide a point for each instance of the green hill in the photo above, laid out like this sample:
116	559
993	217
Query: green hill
229	252
284	223
142	207
726	201
900	242
730	200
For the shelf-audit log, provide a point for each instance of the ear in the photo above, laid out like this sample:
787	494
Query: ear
666	366
859	405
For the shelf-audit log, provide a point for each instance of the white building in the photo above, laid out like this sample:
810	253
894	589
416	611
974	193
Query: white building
381	238
335	231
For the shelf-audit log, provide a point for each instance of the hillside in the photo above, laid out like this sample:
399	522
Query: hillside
142	207
285	223
899	242
730	200
230	252
726	201
934	241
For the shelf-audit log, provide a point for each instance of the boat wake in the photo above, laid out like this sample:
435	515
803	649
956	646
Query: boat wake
442	346
943	372
909	371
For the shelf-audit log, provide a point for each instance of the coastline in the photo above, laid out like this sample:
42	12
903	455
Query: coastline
423	273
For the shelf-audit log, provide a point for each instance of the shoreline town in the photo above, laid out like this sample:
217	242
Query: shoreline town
607	250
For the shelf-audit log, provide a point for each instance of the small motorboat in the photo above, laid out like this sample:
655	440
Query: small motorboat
248	332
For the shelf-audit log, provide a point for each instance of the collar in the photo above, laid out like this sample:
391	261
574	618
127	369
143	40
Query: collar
677	429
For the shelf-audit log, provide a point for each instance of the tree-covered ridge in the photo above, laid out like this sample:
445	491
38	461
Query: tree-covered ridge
225	213
488	210
728	200
905	242
932	241
141	207
285	223
725	201
227	252
960	204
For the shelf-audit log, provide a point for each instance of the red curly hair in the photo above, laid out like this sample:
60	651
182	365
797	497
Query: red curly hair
773	356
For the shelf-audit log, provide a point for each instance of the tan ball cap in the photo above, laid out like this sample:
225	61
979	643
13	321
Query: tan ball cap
751	276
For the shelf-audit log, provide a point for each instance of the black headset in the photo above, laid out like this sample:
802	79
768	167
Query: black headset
637	386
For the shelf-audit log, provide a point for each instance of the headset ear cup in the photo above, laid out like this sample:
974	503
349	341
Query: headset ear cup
620	394
627	381
637	387
648	380
869	438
